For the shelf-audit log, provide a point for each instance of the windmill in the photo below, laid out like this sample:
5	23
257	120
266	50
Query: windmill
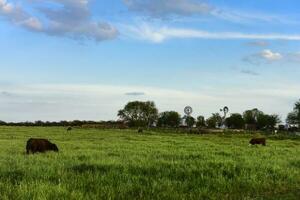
225	111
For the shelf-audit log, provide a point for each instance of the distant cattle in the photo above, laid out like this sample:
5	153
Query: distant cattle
255	141
69	129
40	145
140	130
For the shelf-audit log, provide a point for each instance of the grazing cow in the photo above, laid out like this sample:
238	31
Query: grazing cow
69	129
40	145
255	141
140	130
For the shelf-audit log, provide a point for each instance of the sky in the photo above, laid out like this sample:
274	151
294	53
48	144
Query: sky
85	59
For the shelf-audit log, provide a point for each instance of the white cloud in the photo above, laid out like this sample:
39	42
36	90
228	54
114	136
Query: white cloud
6	7
18	16
32	23
270	55
160	34
72	19
167	8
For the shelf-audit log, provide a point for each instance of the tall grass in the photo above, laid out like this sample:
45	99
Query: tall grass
112	164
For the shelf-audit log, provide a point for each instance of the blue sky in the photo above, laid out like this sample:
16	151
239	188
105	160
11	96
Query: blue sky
84	59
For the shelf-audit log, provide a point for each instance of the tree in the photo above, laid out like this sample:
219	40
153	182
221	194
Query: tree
139	114
250	116
262	121
218	119
200	122
265	121
190	121
294	116
39	123
169	119
235	121
214	121
273	120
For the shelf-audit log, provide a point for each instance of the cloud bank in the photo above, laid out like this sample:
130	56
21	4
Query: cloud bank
15	14
74	19
102	102
68	18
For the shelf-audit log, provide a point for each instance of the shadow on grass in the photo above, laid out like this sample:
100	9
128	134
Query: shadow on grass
14	177
163	170
284	137
295	163
83	168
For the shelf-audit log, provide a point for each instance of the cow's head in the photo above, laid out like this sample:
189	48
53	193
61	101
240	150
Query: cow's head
54	147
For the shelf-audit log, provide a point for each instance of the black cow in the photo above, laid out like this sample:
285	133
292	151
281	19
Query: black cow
140	130
261	141
40	145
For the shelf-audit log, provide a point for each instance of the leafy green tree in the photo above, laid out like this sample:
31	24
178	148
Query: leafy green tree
39	123
214	121
200	122
64	123
294	116
262	121
139	114
211	122
235	121
273	120
190	121
218	118
251	116
169	119
248	117
265	121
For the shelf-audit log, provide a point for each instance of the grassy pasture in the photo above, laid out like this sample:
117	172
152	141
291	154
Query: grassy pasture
121	164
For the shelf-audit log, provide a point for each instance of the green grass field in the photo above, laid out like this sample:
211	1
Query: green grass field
121	164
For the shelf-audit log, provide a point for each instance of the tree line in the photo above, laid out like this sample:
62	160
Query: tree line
73	123
145	114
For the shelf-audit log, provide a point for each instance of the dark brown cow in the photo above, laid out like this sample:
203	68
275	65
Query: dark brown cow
40	145
140	130
261	141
